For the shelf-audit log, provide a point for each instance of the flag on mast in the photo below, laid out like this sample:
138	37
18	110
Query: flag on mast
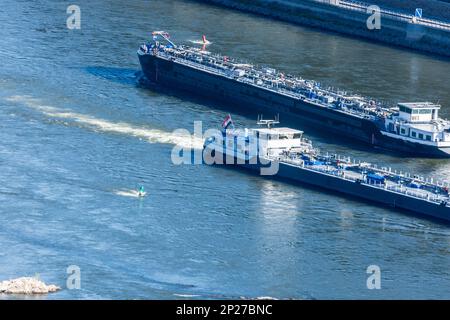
227	122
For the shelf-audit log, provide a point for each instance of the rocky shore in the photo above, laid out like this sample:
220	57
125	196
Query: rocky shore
26	285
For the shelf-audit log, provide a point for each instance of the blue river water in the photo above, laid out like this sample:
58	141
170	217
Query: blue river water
78	136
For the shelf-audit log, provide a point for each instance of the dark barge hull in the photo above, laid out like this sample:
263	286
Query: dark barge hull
305	176
251	98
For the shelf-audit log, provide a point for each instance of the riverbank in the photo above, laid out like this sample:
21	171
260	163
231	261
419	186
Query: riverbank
432	9
351	19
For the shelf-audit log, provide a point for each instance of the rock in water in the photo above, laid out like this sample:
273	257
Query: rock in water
26	285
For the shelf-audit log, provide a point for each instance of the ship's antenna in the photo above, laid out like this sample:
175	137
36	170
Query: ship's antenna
268	123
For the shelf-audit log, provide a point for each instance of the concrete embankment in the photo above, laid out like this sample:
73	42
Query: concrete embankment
432	9
349	17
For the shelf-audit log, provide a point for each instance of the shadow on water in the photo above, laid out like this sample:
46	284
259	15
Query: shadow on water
124	76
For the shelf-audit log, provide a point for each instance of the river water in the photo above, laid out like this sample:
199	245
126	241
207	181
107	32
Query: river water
78	135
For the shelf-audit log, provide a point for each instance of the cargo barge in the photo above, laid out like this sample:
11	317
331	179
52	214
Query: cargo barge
284	153
414	128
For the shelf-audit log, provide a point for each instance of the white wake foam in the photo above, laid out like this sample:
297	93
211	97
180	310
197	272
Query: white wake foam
127	193
150	135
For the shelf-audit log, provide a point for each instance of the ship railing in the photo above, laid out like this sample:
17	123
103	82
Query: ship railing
328	170
342	175
403	190
252	77
408	192
201	66
396	188
197	59
424	196
248	79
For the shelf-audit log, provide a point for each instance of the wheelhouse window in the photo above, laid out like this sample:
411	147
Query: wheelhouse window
404	109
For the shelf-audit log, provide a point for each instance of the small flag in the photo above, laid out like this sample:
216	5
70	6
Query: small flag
226	123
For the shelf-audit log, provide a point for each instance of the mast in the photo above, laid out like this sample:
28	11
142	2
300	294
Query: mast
268	123
165	35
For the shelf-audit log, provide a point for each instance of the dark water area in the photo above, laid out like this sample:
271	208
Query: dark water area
79	135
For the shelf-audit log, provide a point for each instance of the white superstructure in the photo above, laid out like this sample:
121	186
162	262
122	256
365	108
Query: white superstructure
419	122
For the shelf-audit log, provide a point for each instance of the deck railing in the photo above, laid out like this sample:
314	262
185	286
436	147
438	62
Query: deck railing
246	79
341	174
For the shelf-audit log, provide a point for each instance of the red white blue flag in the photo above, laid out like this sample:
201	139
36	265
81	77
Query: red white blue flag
226	123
